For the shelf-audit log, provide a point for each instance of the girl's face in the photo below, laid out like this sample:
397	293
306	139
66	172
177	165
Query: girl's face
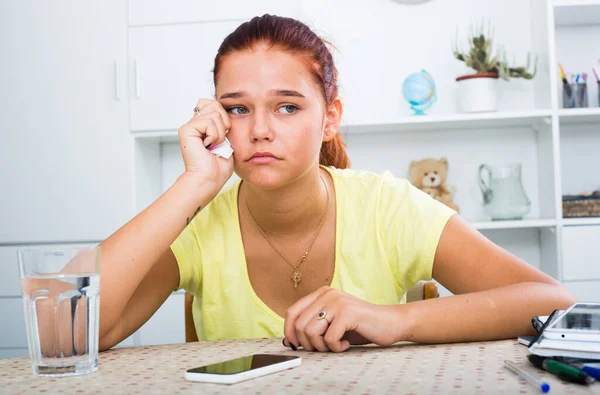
278	115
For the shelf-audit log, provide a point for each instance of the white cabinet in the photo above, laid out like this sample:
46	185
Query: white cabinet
171	67
585	291
154	12
64	142
64	135
172	62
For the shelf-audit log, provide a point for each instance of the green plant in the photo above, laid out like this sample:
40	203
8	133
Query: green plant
479	57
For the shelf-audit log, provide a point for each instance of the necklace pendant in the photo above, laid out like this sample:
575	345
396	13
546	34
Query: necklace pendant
296	278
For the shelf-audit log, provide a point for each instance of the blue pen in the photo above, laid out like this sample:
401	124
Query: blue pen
577	79
585	365
589	370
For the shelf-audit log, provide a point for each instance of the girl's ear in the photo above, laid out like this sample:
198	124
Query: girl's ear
333	119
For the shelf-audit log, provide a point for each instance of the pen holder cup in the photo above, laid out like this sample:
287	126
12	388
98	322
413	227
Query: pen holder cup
575	95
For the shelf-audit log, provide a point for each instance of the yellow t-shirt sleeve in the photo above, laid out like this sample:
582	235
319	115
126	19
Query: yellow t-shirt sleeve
189	259
412	224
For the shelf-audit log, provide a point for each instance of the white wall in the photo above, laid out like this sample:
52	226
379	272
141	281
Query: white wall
381	43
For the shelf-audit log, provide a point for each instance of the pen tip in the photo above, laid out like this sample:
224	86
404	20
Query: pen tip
545	387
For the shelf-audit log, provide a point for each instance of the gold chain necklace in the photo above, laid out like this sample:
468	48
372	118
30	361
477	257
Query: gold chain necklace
296	275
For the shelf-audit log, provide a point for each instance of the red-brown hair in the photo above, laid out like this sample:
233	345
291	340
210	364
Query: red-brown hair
293	36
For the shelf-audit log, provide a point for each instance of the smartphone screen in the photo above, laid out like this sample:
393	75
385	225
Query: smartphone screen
243	364
582	317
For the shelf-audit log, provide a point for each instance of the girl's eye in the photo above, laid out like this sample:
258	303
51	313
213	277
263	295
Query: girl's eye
288	109
238	110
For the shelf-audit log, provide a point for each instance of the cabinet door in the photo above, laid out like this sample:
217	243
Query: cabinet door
171	71
153	12
64	142
580	253
585	291
12	331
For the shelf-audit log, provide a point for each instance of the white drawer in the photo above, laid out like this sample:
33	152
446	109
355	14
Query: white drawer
152	12
13	353
581	253
585	291
12	331
167	325
10	283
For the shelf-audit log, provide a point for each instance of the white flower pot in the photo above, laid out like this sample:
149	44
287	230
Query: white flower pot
477	92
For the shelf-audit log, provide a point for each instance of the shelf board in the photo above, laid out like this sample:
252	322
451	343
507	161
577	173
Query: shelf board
576	12
517	224
569	116
581	221
455	121
490	120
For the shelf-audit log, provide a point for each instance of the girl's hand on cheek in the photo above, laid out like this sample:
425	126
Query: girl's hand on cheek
208	126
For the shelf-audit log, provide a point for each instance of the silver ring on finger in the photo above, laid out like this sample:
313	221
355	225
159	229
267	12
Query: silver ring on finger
197	111
322	314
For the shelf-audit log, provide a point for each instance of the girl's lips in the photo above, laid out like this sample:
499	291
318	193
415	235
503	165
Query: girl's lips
262	160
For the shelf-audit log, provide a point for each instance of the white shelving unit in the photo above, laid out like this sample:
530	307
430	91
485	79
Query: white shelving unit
573	38
576	12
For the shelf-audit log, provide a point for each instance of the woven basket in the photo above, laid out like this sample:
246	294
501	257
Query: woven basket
576	206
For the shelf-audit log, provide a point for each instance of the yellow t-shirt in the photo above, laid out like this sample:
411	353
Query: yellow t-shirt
387	232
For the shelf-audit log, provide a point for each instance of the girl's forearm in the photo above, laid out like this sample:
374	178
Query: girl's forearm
129	254
500	313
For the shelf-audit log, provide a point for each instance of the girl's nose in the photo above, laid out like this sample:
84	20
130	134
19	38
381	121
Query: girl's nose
261	128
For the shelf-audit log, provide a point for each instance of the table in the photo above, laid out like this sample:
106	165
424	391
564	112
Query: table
406	368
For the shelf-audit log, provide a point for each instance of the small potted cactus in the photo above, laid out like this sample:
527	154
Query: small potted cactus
477	92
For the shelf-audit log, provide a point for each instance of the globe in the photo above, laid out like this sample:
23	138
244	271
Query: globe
420	92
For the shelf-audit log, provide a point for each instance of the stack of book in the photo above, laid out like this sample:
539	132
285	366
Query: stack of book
556	344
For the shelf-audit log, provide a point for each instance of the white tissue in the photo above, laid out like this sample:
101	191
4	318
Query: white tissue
223	150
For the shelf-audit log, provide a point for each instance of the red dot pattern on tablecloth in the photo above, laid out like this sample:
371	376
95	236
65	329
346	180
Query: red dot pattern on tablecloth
475	368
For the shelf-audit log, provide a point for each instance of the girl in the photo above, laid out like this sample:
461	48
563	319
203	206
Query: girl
303	247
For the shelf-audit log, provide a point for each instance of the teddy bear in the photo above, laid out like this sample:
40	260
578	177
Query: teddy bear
429	175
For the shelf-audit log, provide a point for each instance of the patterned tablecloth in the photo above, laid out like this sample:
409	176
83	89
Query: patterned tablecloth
463	368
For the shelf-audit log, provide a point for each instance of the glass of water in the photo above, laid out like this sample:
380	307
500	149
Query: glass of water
61	290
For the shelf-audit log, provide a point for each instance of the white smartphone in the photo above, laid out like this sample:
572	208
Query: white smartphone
241	369
579	322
